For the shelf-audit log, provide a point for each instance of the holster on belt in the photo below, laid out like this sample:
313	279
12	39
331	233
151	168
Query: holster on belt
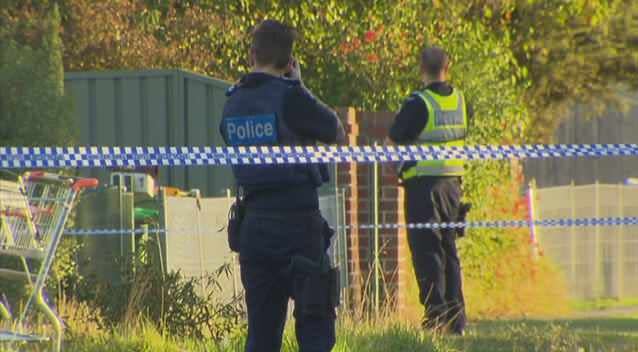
464	209
327	233
316	284
235	218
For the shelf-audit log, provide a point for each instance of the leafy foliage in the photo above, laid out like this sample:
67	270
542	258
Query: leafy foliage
33	108
364	54
576	51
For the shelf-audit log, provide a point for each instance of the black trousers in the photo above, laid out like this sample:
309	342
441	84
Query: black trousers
434	253
267	244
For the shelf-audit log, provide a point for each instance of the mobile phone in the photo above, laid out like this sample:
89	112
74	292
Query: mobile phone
293	61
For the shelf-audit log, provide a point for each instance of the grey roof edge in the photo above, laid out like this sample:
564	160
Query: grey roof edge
110	74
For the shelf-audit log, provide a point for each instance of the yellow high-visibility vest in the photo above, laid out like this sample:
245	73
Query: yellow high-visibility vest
446	126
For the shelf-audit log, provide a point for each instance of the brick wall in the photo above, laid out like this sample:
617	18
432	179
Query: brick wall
368	128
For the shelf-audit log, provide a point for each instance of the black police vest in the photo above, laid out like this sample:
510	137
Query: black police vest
253	117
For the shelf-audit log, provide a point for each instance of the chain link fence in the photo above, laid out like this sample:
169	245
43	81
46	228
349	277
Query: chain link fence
597	261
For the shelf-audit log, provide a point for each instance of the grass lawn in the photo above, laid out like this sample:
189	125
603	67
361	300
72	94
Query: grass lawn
603	304
582	335
605	334
614	334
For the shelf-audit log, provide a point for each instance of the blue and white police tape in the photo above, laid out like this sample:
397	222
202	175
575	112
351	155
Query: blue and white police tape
111	232
578	222
58	157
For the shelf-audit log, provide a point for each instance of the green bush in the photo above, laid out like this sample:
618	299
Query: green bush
188	307
33	107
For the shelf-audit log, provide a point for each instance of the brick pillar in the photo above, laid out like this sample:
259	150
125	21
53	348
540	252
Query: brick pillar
376	130
348	178
365	128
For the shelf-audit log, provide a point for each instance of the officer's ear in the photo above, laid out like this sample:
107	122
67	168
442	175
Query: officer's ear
289	67
251	57
291	64
424	75
446	68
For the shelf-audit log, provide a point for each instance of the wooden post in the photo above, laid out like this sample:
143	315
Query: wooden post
573	243
620	245
377	267
597	250
531	195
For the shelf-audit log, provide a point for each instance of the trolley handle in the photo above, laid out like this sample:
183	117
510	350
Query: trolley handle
85	183
76	183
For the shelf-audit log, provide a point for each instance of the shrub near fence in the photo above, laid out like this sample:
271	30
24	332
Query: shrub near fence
180	306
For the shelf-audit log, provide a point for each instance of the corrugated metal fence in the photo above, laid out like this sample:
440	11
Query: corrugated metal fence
152	108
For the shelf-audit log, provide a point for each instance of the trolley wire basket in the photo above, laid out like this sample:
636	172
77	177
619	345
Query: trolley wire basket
33	212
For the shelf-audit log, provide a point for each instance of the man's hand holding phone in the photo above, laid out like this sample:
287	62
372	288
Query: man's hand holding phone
294	72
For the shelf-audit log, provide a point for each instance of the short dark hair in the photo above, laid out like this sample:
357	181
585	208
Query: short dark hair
433	60
272	43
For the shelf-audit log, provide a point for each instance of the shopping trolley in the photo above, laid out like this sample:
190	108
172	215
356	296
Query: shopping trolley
33	211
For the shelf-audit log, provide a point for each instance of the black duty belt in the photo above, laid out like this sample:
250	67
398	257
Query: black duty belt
281	213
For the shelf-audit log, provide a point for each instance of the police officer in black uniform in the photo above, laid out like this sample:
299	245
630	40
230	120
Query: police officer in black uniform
437	115
282	239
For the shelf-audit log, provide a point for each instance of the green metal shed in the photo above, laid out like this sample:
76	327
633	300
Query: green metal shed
152	108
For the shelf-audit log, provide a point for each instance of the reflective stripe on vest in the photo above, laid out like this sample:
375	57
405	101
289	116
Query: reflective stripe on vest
446	126
444	135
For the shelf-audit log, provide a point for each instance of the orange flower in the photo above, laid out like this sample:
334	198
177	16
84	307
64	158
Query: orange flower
370	36
373	58
346	48
356	43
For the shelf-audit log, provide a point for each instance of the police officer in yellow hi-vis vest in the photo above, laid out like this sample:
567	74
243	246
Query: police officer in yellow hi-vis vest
435	116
